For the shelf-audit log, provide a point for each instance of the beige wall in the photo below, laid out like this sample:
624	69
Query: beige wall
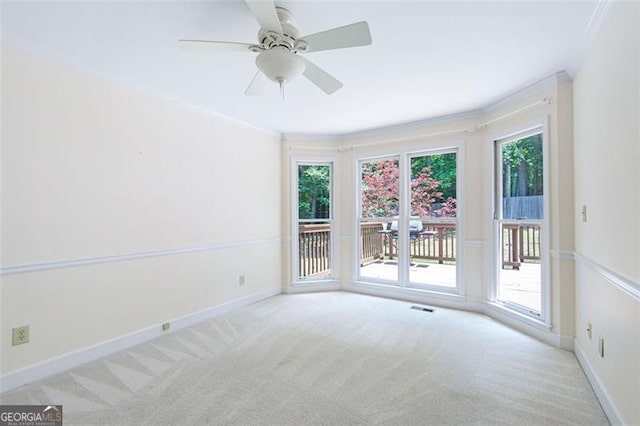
91	168
607	144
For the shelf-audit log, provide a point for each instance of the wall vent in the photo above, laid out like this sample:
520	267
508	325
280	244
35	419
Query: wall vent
422	308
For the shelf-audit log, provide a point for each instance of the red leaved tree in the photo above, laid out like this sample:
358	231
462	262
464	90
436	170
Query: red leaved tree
381	191
380	188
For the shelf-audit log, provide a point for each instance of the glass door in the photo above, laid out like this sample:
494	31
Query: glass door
433	220
519	222
378	219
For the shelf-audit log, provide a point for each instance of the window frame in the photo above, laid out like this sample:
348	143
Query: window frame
404	157
534	127
296	162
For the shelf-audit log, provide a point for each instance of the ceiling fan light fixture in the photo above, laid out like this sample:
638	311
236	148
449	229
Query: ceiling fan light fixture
280	65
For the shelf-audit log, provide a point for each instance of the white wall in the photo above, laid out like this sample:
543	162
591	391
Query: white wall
607	149
91	168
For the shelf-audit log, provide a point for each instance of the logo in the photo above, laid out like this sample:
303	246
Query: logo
30	415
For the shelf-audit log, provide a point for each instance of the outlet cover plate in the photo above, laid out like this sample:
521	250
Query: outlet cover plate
20	335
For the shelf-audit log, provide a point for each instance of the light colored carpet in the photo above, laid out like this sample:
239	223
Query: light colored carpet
332	359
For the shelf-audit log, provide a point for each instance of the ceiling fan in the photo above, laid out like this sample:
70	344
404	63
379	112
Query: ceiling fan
280	47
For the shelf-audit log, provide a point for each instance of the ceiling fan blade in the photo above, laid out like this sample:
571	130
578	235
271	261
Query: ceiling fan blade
325	81
266	15
351	35
258	84
218	46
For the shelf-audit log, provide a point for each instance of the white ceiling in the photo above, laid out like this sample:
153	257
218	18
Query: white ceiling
428	59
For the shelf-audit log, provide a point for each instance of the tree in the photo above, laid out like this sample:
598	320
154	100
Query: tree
522	167
380	188
424	192
381	191
443	169
314	196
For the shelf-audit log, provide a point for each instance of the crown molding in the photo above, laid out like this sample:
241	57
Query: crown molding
527	90
600	10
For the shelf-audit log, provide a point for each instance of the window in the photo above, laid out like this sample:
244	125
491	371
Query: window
314	221
519	223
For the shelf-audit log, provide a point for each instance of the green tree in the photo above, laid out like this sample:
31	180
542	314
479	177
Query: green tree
522	167
314	195
443	169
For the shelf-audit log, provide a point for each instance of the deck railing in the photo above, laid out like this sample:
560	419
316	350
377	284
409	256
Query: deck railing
314	246
372	242
520	242
437	242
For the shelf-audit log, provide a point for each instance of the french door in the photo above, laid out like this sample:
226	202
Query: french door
407	220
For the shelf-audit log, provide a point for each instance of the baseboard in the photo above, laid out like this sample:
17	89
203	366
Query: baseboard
67	361
600	391
445	300
312	286
533	328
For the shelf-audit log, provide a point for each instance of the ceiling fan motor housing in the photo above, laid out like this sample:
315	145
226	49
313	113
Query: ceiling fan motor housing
288	38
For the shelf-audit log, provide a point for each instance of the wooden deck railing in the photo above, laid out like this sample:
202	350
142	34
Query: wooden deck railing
436	243
520	242
314	247
372	242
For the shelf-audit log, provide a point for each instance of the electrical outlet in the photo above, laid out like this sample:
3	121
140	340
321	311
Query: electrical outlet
601	346
589	330
20	335
241	280
166	326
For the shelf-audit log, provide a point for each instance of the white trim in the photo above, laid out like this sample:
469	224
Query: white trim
591	30
525	91
311	138
394	291
70	360
70	263
562	254
528	325
415	138
313	148
540	125
418	124
334	224
475	243
547	100
606	402
508	316
312	286
628	286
